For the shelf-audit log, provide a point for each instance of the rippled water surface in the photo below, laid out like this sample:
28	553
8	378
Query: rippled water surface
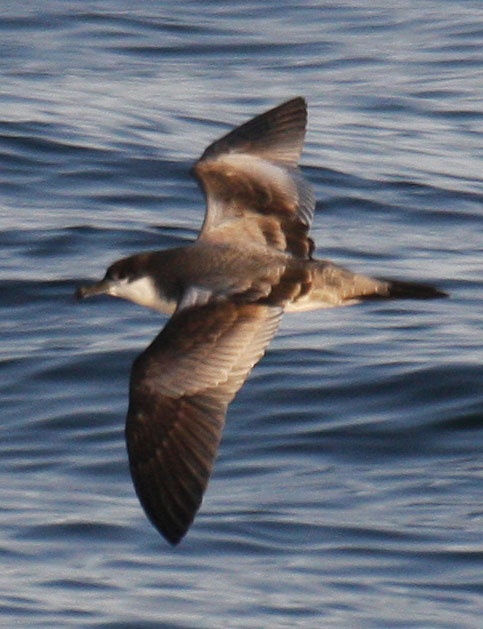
347	492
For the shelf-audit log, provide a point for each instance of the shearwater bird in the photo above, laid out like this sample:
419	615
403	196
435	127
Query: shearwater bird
226	291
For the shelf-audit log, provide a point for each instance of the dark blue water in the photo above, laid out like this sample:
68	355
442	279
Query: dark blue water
348	487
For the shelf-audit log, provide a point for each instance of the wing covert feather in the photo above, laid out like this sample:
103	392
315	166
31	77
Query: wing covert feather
253	187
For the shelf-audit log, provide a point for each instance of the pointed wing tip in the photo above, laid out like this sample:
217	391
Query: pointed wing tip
172	527
172	537
298	102
277	133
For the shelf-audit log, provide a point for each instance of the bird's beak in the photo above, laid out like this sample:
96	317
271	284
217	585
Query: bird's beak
99	288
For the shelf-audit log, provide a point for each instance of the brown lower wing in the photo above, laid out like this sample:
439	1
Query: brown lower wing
171	464
180	389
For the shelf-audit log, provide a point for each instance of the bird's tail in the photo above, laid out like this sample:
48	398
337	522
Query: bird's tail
328	285
397	289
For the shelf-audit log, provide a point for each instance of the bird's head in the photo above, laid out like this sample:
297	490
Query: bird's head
130	279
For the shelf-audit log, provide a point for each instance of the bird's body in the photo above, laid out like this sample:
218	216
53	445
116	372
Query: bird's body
226	293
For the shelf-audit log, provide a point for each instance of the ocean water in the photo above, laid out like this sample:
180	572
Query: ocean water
348	488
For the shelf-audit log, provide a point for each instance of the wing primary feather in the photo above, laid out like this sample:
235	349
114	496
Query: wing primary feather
278	133
173	432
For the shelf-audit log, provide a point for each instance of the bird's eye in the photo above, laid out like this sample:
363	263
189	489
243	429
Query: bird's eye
113	275
117	274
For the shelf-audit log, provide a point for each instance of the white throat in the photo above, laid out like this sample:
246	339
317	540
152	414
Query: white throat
142	291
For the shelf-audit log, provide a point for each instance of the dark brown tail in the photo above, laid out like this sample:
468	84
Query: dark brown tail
411	290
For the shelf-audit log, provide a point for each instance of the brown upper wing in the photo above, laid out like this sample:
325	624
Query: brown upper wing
254	190
181	386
